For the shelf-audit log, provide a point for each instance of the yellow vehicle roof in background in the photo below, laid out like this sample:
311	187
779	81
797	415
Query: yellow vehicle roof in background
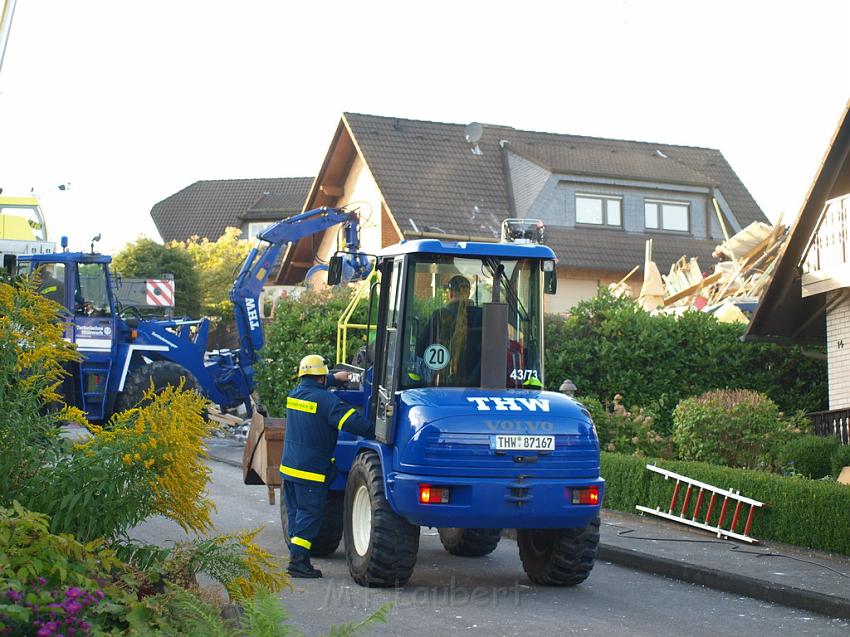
28	201
15	227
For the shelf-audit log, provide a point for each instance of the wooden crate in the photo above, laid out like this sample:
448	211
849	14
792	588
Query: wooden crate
263	449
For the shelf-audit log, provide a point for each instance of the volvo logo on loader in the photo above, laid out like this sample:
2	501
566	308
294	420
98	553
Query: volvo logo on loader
510	404
531	426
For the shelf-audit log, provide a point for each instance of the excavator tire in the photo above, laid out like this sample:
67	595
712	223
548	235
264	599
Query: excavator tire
161	374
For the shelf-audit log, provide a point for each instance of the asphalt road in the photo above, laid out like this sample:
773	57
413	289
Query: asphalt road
449	595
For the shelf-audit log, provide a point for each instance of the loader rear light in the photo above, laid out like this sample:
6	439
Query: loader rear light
588	495
134	334
433	495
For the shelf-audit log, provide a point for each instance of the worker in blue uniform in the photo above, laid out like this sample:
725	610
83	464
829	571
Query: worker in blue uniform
314	418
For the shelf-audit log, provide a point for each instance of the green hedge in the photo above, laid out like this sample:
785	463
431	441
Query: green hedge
802	512
610	346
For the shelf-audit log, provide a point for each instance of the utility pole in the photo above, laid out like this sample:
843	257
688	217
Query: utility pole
5	26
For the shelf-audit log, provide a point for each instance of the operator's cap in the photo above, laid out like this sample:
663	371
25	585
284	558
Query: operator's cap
312	365
457	282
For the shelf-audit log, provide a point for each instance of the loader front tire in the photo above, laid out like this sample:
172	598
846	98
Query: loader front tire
558	557
161	374
380	545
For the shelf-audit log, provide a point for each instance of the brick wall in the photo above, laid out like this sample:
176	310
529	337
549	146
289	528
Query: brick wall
838	351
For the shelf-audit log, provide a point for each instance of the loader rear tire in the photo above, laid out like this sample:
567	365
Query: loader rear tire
380	545
161	374
330	534
470	542
558	557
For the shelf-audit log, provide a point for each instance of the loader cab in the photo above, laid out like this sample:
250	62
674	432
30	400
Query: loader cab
457	315
78	282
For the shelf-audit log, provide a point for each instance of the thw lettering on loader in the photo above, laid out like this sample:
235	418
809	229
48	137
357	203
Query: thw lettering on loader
509	404
253	317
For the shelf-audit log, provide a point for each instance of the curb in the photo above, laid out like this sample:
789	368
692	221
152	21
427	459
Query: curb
228	461
803	599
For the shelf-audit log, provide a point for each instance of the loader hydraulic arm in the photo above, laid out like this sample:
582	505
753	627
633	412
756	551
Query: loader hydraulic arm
259	262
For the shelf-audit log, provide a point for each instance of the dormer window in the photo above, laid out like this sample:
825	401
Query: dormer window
599	210
667	215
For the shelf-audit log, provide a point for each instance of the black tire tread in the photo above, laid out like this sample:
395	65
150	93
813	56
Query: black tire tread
471	542
163	373
567	561
391	556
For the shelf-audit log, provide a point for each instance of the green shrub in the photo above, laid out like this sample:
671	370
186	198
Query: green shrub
306	325
731	427
809	456
627	431
610	346
808	513
840	459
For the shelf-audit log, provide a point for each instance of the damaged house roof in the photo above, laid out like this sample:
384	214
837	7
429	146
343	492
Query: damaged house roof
434	185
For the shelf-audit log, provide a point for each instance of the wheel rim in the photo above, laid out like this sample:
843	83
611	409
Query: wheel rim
361	520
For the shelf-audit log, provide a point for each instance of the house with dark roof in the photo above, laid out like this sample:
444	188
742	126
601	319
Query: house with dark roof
807	300
206	208
600	199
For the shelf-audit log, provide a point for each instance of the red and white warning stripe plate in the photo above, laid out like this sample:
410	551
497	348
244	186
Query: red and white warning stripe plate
160	292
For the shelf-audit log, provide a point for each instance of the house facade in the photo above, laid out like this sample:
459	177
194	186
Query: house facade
600	199
206	208
808	298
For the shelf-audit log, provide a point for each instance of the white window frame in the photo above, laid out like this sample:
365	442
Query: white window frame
605	217
259	226
659	208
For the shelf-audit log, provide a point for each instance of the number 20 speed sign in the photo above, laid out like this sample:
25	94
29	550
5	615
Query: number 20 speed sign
436	356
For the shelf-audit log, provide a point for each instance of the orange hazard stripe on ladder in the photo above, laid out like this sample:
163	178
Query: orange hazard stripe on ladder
694	518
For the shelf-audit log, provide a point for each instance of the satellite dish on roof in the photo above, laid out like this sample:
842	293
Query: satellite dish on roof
473	132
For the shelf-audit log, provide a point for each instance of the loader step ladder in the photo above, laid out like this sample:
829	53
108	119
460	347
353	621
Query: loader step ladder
729	497
94	381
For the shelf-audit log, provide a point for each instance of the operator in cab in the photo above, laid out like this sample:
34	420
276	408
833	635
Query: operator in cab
457	327
314	418
52	284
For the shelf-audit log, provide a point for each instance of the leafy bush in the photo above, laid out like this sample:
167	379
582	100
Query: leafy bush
731	427
145	258
626	431
819	523
306	325
840	459
610	346
809	456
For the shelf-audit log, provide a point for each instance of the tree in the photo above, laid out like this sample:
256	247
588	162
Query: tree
217	264
145	258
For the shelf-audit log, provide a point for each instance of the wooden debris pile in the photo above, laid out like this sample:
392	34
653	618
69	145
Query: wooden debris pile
746	262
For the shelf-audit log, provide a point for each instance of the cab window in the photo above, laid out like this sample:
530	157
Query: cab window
91	297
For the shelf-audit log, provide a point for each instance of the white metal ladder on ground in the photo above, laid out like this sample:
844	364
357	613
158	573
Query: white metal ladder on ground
692	519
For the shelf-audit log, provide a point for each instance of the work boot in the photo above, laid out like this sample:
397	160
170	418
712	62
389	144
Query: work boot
299	566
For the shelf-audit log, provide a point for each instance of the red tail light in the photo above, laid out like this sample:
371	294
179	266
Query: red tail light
433	495
588	495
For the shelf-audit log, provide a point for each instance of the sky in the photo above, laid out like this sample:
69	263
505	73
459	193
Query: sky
129	102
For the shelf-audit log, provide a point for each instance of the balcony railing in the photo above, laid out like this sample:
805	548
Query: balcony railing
831	244
832	423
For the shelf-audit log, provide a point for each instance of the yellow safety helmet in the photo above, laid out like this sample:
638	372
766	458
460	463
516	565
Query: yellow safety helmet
312	365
